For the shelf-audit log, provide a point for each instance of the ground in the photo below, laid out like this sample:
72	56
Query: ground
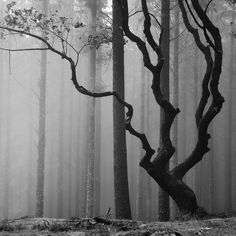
98	226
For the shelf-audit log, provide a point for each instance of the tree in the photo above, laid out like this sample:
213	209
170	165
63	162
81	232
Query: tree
163	197
42	118
175	97
122	202
170	181
92	5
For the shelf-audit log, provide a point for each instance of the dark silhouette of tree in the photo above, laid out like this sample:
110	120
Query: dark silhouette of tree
171	181
163	197
122	202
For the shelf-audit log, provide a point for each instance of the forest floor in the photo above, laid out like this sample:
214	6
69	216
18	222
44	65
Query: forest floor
98	226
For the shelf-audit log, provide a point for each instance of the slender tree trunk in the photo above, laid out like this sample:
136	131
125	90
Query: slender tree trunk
163	197
42	137
228	139
149	192
91	131
98	135
175	98
30	145
122	201
7	159
140	207
60	168
78	176
70	154
211	172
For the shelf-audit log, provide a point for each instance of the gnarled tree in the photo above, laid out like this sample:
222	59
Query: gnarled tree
170	181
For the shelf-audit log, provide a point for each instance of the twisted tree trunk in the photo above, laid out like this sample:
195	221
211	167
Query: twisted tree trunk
171	181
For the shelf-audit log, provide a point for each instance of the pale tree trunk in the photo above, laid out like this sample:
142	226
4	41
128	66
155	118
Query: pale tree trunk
7	138
78	163
29	195
140	207
163	197
175	98
148	128
91	131
70	153
98	136
60	162
211	171
42	137
229	136
122	201
1	105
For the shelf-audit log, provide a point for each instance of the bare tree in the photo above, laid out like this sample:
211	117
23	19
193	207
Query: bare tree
170	181
42	119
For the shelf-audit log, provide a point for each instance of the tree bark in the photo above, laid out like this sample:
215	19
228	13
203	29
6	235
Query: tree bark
175	97
163	197
42	136
228	139
60	164
171	182
122	201
91	131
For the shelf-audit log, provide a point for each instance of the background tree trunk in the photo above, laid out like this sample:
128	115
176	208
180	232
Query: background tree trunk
228	139
91	131
60	162
42	118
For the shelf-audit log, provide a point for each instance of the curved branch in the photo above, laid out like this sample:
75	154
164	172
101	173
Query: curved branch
147	31
139	11
208	4
207	53
213	72
193	16
139	42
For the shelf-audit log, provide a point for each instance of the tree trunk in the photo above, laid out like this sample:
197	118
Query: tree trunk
42	137
148	128
163	197
171	182
140	206
30	145
91	131
175	98
60	164
98	136
7	159
122	201
228	139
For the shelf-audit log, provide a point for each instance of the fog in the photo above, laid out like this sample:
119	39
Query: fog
67	129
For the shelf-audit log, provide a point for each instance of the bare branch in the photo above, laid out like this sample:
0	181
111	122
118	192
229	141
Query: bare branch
139	11
23	49
208	4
